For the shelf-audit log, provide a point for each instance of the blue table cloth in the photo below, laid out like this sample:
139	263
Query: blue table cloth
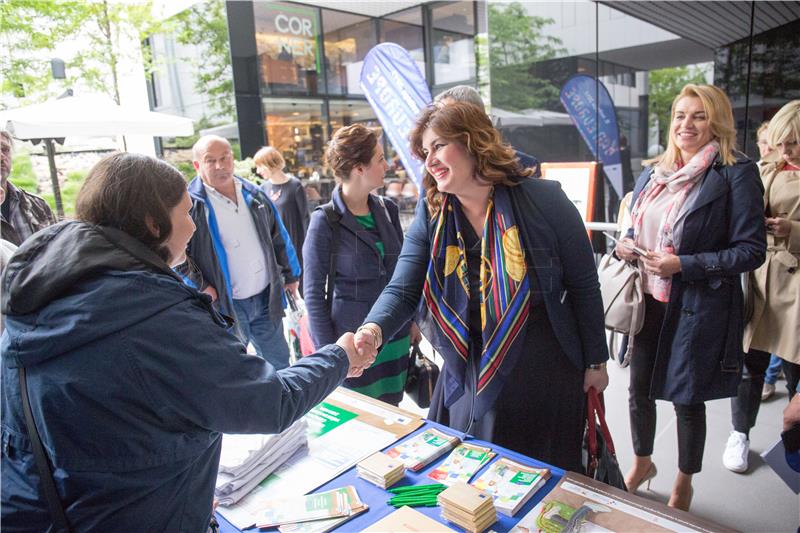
376	497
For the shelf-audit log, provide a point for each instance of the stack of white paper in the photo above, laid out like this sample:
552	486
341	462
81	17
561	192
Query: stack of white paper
246	460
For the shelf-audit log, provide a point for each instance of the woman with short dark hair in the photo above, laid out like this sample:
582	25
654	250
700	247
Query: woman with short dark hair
511	296
357	237
131	374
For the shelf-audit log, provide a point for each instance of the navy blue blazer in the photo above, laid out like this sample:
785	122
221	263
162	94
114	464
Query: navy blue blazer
560	263
361	274
700	354
528	161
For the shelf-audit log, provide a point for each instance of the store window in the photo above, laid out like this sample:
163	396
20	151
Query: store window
347	40
343	113
774	79
295	128
405	28
453	42
288	50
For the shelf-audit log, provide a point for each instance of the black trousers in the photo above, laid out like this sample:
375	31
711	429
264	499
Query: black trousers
792	373
691	418
744	406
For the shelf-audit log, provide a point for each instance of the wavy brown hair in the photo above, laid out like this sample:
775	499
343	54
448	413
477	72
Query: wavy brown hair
350	146
495	161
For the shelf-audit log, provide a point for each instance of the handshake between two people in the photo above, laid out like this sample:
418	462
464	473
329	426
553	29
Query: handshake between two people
361	348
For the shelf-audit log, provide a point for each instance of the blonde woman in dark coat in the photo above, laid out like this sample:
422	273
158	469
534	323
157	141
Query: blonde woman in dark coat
697	209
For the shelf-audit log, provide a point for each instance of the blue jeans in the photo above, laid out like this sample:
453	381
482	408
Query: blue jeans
252	315
773	370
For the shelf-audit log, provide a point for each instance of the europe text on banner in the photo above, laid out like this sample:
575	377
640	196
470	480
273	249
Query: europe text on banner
578	97
397	91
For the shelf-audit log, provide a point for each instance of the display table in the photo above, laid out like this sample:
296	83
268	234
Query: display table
376	497
354	426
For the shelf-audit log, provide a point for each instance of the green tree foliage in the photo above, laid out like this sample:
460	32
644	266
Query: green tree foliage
665	84
517	43
32	31
205	26
29	29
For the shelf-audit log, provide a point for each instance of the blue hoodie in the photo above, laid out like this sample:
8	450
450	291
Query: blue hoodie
131	376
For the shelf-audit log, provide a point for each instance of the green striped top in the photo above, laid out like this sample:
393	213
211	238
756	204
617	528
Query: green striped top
386	378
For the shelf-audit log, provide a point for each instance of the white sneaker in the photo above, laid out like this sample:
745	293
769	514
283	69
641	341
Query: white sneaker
767	391
736	450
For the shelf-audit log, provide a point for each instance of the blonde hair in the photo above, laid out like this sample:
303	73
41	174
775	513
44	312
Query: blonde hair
720	119
270	158
785	124
764	125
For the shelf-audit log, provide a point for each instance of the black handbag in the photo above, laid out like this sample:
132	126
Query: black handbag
421	378
599	458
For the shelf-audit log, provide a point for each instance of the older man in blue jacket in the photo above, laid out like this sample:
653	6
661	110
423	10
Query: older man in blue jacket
242	249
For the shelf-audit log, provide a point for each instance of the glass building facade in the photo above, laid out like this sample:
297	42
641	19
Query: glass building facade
643	52
296	66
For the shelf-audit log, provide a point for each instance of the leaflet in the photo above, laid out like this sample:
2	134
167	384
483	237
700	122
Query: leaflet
423	449
339	436
462	463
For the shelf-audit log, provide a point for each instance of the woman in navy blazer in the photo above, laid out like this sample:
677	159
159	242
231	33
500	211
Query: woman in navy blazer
502	261
369	241
699	212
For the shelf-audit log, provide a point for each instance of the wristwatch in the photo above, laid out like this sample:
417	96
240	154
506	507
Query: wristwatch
596	366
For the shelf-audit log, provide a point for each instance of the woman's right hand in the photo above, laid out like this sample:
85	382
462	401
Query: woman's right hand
358	363
366	342
625	253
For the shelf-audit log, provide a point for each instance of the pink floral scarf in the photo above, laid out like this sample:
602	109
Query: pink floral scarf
679	181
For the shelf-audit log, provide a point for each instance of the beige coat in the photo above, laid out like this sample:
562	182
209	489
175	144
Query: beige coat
775	326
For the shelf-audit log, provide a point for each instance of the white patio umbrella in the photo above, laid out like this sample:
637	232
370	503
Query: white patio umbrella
86	116
530	117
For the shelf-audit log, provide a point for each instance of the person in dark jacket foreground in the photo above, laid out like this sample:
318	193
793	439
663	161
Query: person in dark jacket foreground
132	375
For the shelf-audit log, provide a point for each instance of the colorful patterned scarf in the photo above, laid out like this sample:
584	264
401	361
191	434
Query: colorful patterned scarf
505	294
680	181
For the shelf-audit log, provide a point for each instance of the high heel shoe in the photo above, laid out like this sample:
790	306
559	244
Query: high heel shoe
681	501
648	477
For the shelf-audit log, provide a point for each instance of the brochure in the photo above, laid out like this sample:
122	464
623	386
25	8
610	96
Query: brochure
342	430
511	484
462	463
323	526
329	504
424	448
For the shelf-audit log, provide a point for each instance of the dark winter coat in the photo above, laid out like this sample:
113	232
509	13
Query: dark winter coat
131	377
560	264
700	347
361	273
